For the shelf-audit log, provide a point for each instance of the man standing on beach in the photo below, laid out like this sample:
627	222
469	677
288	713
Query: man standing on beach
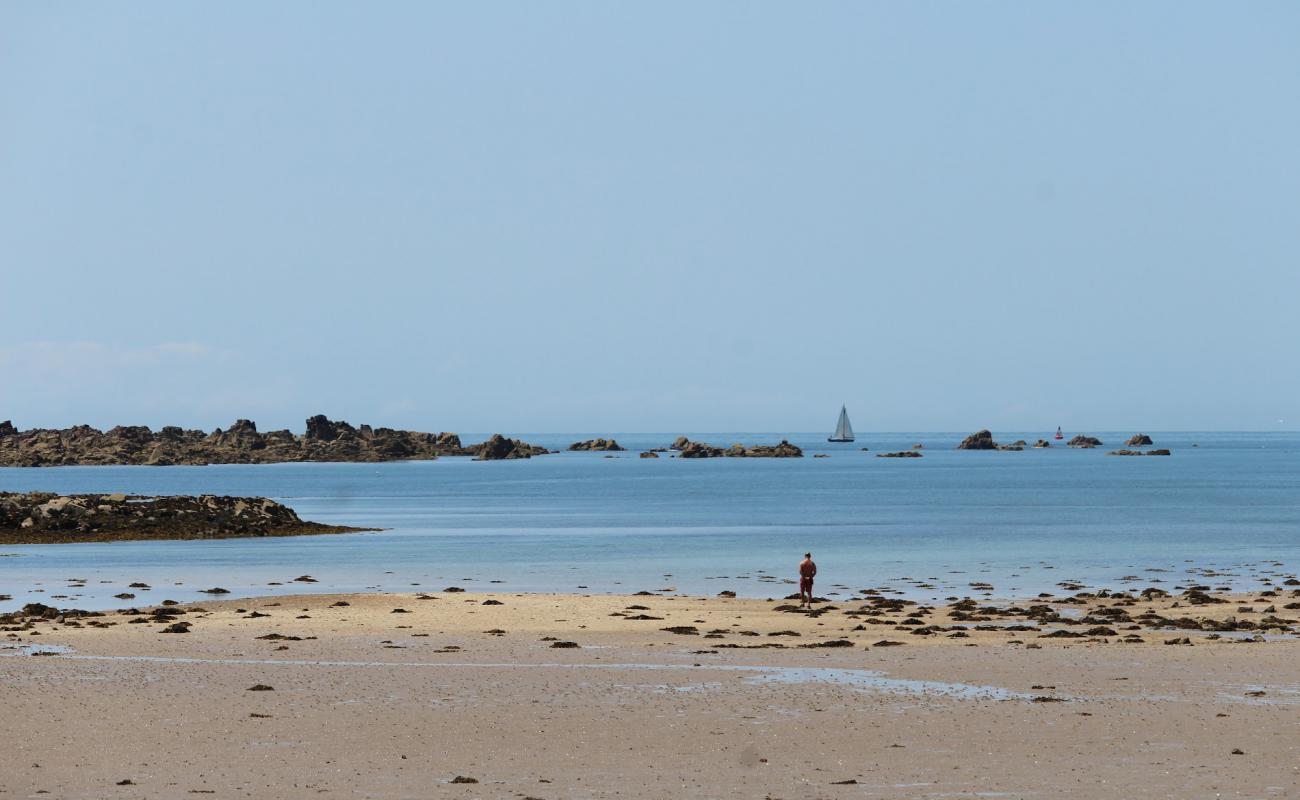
807	571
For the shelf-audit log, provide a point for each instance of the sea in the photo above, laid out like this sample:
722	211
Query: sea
1222	510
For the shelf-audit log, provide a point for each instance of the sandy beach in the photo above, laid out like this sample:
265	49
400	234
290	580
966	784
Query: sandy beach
462	694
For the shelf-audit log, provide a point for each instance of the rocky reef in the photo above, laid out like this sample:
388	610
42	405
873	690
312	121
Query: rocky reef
1084	441
44	517
983	440
689	449
900	454
1139	440
241	443
499	448
609	445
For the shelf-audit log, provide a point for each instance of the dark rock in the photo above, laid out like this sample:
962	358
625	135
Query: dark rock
260	687
683	630
1041	443
649	454
499	448
1139	440
690	449
900	454
564	645
698	450
980	440
598	445
463	779
1084	441
242	443
42	517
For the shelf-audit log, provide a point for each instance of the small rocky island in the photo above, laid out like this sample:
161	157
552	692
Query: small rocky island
983	440
688	449
241	443
598	444
48	518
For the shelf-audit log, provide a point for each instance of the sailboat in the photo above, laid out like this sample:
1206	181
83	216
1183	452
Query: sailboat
843	430
1059	435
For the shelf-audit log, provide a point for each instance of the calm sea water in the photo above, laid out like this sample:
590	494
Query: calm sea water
1023	522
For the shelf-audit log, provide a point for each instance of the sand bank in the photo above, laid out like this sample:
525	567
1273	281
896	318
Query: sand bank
554	696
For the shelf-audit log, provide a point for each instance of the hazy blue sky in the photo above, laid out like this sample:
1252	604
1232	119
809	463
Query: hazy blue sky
677	217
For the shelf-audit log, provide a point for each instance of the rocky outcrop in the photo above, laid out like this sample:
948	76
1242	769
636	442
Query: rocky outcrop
1084	441
979	440
782	449
1041	443
649	454
609	445
1139	440
43	517
900	454
689	449
1138	453
983	440
499	448
241	443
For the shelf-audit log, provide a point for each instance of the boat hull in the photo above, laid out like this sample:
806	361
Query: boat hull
833	439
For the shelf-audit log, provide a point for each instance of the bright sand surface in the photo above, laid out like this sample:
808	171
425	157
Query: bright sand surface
367	702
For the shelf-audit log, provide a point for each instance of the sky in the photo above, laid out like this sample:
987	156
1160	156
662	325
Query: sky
603	217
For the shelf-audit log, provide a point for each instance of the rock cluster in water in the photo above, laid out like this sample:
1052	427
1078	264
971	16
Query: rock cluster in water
241	443
609	445
1139	440
40	517
983	440
1084	441
499	448
688	449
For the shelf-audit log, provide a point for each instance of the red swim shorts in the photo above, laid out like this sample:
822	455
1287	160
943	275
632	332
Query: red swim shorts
805	585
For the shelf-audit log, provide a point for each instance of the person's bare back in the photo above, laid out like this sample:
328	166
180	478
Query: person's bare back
807	571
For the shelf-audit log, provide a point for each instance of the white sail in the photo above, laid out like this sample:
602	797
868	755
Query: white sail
843	430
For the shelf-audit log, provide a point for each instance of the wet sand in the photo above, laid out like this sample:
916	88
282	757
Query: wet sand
367	701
